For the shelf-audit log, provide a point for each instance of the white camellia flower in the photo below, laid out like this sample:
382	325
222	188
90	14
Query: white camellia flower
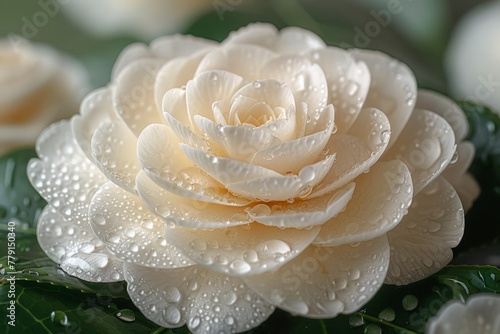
142	18
479	315
224	180
473	54
38	86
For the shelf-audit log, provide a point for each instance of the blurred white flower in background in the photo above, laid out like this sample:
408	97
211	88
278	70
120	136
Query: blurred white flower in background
473	56
140	18
38	86
479	315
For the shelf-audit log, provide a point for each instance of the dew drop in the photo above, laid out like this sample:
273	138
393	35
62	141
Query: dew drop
194	322
147	224
113	238
198	245
59	317
385	136
171	315
229	320
373	329
86	247
172	294
454	158
296	306
99	220
163	210
240	267
126	315
272	247
410	302
356	320
387	314
256	84
230	298
352	88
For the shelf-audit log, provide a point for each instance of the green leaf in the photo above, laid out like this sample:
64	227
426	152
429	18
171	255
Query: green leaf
46	271
20	206
483	225
42	308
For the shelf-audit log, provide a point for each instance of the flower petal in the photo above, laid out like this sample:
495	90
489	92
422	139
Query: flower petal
420	244
393	88
301	214
226	170
380	201
231	57
184	133
132	233
162	159
101	267
348	83
427	151
208	302
184	211
323	282
96	108
207	88
175	74
114	148
356	151
305	150
445	108
456	173
64	176
71	243
242	250
133	94
166	48
237	142
305	78
284	187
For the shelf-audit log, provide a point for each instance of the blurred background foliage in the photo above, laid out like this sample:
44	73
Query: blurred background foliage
418	34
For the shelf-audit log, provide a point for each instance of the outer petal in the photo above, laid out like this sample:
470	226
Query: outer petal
445	108
231	57
208	302
133	94
242	250
456	173
96	108
288	40
178	210
393	88
381	199
325	281
420	244
165	48
348	83
356	151
98	266
114	148
132	233
426	151
301	214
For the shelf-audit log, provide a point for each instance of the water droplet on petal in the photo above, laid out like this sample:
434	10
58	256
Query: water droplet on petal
256	84
171	315
99	220
240	267
385	136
